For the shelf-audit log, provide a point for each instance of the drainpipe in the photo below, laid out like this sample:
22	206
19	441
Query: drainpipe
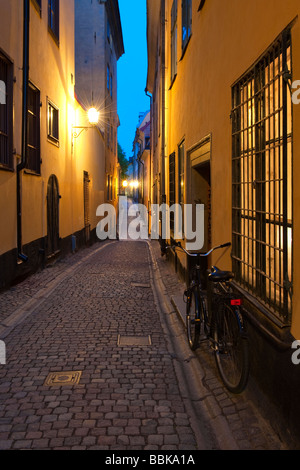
23	163
163	76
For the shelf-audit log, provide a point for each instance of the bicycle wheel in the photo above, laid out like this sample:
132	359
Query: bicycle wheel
193	321
231	348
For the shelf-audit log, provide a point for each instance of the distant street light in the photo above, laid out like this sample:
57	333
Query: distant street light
134	184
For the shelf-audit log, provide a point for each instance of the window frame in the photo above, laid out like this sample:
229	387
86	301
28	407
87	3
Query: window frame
54	19
186	23
34	167
52	138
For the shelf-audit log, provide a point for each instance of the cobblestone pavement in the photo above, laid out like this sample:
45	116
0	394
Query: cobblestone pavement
88	313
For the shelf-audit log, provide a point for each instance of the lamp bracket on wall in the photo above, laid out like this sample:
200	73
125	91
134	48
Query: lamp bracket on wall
76	133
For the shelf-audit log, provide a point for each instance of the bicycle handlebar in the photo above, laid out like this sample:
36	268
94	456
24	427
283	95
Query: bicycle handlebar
178	245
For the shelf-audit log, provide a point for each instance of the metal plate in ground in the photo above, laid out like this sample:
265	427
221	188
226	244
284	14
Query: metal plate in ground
143	286
59	379
134	340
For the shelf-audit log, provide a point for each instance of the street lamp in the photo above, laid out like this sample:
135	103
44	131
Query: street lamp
93	118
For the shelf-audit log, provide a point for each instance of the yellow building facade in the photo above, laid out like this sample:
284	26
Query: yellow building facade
225	133
53	176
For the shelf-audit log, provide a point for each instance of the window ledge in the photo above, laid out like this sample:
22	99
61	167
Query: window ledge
6	168
37	7
31	172
53	141
173	81
53	35
185	47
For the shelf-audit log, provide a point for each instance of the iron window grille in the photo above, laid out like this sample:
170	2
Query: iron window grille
262	142
6	114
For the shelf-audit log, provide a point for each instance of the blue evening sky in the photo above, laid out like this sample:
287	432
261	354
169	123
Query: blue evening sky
132	71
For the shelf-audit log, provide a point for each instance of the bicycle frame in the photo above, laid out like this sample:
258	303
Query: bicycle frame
218	318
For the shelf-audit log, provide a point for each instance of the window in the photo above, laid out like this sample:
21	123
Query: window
174	40
33	130
181	176
186	22
53	123
6	112
53	18
111	85
262	180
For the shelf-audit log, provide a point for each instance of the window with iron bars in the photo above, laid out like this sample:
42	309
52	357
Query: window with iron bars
262	142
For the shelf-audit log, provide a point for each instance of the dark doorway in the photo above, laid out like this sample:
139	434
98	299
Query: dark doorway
52	217
86	204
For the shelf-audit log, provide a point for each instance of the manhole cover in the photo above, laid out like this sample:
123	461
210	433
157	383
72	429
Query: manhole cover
134	340
59	379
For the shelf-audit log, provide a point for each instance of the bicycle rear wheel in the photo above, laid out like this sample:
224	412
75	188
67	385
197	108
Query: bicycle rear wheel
193	320
231	348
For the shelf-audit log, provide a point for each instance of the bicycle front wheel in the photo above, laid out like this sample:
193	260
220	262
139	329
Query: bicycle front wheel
193	321
231	348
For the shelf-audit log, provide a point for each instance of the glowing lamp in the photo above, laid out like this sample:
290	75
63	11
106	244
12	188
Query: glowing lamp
93	116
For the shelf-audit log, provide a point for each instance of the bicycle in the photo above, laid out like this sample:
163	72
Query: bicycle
217	317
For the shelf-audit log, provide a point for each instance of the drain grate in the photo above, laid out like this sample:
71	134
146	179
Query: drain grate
60	379
134	340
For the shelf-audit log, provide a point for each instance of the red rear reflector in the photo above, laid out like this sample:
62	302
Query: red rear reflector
236	302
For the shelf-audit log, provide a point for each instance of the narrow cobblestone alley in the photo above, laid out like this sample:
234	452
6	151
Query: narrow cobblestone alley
97	314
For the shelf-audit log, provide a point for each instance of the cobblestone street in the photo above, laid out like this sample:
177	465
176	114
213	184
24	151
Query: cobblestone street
104	314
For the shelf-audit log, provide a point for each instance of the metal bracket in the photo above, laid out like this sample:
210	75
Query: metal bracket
76	134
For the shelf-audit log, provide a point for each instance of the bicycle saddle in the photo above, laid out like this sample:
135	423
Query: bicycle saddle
218	276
